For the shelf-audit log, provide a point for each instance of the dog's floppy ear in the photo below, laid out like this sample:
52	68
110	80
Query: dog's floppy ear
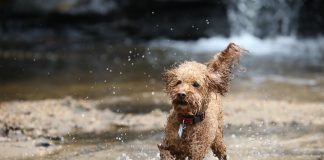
169	76
221	67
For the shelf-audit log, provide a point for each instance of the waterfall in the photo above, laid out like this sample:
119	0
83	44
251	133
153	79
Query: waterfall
263	18
267	28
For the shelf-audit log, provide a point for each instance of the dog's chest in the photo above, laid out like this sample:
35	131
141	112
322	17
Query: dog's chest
197	134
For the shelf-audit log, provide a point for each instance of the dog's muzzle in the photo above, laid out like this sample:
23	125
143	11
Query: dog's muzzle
182	103
181	95
181	99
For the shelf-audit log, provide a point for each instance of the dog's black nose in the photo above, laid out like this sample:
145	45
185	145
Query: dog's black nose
181	95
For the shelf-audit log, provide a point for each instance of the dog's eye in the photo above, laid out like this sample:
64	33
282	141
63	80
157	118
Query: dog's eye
196	85
178	82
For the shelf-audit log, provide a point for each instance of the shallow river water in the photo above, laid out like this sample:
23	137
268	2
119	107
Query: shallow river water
124	71
292	141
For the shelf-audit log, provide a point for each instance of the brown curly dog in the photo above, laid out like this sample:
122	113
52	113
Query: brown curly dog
195	123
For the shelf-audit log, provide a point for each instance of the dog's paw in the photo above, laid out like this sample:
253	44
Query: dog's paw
223	157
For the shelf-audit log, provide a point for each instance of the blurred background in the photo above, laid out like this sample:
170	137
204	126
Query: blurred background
85	48
104	58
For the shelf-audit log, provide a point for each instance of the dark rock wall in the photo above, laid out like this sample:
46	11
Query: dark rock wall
24	24
311	18
123	21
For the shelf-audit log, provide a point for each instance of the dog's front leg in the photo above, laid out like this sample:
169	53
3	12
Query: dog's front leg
165	153
219	149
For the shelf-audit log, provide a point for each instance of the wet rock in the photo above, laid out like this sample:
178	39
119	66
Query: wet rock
4	139
17	135
42	142
55	138
3	129
26	149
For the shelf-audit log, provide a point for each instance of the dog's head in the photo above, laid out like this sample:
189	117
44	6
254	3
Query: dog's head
190	83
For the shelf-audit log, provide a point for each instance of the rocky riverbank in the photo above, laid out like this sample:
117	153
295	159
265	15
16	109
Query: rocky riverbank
35	128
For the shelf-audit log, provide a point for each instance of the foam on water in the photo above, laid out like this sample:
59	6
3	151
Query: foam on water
282	45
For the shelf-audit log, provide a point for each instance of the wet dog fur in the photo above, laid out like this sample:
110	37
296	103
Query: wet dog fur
201	87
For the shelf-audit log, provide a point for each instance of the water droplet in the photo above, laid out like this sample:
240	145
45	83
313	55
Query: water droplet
143	56
114	92
130	52
207	21
171	29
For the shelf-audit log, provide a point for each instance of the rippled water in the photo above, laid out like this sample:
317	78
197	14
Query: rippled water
292	141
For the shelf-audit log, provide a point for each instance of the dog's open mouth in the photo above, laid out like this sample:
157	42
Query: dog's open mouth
181	102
